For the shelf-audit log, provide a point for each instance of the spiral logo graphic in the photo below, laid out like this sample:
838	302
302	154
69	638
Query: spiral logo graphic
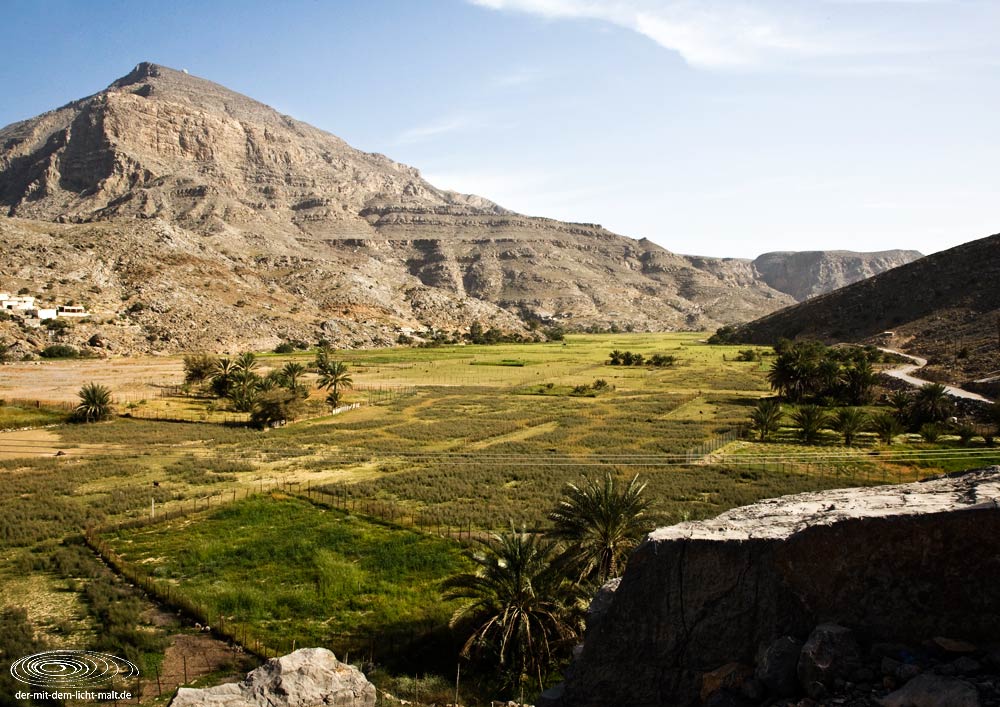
71	669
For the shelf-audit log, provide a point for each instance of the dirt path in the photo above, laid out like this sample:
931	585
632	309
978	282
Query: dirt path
904	372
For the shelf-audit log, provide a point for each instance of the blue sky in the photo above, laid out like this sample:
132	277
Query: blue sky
725	128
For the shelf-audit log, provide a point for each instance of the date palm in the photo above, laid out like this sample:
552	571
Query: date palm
289	376
334	376
849	422
886	426
518	605
222	380
601	522
95	403
766	417
810	419
246	361
932	403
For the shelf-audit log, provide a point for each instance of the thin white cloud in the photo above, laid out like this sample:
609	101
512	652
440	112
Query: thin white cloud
738	34
718	35
428	131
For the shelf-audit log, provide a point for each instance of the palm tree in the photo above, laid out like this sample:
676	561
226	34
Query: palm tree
244	386
222	380
849	422
860	378
794	373
601	524
810	419
290	374
95	403
886	426
518	605
828	376
246	361
334	376
766	417
932	403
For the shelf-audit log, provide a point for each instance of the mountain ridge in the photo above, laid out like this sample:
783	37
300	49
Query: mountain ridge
944	307
351	237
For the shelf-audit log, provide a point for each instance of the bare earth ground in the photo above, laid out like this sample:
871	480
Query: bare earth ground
192	656
59	381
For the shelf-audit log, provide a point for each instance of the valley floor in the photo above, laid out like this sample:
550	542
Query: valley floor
260	534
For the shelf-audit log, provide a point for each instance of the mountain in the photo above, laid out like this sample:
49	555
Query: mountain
186	215
805	274
944	307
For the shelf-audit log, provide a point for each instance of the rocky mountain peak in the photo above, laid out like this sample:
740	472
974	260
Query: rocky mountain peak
170	181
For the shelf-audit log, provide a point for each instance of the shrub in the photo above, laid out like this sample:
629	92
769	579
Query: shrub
199	367
930	432
274	408
285	347
59	351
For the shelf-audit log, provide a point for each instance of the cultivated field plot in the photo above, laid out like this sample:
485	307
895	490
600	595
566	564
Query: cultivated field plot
279	572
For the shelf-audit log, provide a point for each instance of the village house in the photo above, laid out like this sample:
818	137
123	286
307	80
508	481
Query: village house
67	310
25	306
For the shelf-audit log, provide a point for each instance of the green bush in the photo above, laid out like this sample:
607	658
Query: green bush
59	351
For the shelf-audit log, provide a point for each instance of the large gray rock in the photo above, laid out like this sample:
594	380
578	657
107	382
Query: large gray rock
892	563
309	677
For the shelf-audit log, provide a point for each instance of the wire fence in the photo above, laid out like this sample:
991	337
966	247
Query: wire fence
716	442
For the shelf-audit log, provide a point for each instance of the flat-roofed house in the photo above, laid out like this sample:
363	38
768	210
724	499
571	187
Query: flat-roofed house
69	310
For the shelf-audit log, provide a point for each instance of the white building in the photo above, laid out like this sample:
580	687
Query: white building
20	303
43	313
67	310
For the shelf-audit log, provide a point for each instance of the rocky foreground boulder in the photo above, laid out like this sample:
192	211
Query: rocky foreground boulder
309	677
887	595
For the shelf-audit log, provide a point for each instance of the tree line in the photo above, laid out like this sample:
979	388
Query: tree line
272	399
829	387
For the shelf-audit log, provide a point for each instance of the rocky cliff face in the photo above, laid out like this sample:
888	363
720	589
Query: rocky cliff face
703	607
806	274
292	217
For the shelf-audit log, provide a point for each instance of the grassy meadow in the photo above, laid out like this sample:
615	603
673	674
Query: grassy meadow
447	439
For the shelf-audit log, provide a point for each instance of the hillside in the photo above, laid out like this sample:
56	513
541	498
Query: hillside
944	307
806	274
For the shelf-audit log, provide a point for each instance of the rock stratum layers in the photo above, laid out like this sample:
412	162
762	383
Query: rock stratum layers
806	274
169	192
902	563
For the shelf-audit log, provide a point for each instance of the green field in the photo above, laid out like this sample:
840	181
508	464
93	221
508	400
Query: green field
280	570
15	416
